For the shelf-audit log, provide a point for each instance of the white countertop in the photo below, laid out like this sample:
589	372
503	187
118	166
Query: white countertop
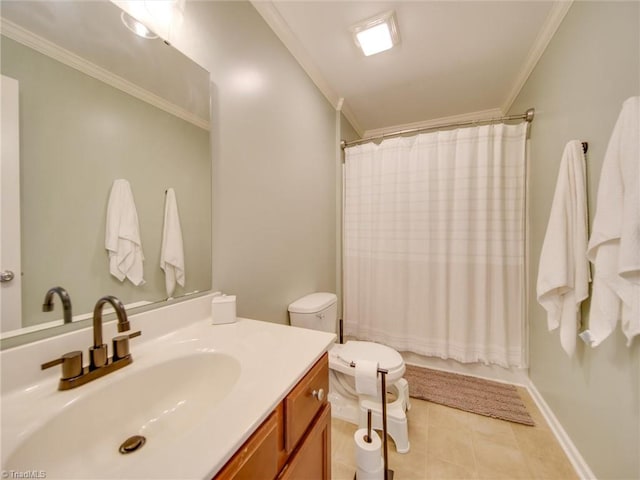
273	358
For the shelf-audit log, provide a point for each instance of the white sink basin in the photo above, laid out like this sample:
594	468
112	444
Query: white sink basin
162	402
196	391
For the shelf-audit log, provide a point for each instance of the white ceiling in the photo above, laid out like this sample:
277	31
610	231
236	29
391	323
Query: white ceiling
457	60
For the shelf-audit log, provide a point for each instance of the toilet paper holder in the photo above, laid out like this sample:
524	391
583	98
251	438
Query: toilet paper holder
368	437
388	473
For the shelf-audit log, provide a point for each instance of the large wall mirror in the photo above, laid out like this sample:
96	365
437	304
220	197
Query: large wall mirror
97	103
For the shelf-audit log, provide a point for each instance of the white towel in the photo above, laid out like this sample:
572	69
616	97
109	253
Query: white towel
172	253
614	246
563	274
367	377
122	238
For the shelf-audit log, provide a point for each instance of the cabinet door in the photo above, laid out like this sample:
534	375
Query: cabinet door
258	457
312	459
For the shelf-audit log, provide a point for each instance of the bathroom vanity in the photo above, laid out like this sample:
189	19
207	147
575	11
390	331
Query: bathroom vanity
295	441
212	401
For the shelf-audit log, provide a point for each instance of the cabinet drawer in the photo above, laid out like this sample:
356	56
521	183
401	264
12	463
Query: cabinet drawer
258	457
301	405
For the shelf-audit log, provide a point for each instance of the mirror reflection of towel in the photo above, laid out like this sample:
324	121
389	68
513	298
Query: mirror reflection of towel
122	237
172	253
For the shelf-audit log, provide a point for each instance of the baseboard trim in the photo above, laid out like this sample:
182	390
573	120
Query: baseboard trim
576	459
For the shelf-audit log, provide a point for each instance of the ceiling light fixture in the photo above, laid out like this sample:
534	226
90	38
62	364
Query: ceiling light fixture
376	34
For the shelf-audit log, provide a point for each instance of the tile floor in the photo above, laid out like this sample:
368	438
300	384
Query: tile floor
447	443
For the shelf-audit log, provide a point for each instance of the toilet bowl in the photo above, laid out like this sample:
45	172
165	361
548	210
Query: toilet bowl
318	311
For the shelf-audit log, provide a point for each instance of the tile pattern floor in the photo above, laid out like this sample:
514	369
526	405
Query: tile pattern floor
451	444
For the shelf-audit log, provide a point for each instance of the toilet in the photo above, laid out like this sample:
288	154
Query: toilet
318	311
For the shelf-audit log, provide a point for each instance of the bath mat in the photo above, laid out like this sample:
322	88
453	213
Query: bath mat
472	394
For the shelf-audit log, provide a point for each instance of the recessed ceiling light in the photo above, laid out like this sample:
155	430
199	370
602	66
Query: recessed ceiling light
376	34
136	27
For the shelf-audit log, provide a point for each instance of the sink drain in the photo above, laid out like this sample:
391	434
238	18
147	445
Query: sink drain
132	444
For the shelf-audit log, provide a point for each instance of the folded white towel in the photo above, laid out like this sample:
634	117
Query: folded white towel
563	274
614	246
122	238
172	253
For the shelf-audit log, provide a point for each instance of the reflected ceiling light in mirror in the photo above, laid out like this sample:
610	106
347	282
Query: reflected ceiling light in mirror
160	16
166	12
376	34
136	27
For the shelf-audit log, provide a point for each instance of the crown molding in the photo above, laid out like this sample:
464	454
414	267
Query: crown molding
273	18
270	14
31	40
351	118
480	115
549	28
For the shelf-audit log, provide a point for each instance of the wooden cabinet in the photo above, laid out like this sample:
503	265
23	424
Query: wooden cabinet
294	443
312	459
258	457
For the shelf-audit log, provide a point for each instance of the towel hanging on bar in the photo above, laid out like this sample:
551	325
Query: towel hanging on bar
172	253
563	274
122	235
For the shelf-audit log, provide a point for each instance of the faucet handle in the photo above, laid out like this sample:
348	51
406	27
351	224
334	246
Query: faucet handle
121	345
71	364
98	356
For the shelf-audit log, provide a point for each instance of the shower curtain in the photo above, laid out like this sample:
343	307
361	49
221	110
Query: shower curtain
434	243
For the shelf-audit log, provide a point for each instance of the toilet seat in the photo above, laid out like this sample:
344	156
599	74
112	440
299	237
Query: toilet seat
342	389
341	356
318	311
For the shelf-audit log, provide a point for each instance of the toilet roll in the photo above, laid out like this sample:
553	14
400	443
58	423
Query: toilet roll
367	377
377	475
368	459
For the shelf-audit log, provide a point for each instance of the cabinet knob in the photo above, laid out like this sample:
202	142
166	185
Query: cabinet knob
318	394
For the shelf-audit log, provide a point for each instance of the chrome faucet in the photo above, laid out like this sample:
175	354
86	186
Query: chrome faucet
100	364
47	305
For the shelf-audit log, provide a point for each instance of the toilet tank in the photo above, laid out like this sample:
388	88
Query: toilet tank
317	311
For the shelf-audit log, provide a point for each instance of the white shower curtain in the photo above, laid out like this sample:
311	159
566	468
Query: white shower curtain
434	243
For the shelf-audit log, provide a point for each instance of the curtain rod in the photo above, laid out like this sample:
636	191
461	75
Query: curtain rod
527	116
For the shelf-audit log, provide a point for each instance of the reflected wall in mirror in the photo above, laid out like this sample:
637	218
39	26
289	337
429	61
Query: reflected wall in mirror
96	104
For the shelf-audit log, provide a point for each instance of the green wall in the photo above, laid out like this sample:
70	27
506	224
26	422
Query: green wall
590	67
77	135
274	161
